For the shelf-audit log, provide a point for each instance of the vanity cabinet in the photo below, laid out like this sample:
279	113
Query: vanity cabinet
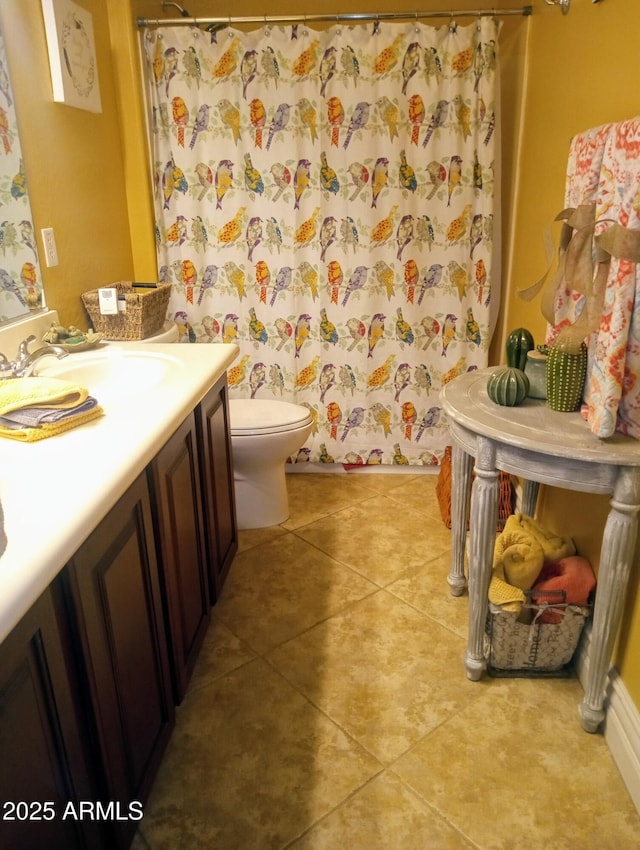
193	502
214	437
115	605
90	677
46	770
174	478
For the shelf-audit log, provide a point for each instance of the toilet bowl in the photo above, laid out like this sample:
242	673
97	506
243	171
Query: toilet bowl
168	333
264	434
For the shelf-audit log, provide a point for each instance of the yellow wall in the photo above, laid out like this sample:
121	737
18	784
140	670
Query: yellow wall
74	162
89	178
582	71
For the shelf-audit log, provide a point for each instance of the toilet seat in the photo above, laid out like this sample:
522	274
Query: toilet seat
252	417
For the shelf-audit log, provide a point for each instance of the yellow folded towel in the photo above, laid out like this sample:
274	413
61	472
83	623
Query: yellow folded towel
554	546
520	553
519	556
32	400
29	392
30	435
508	597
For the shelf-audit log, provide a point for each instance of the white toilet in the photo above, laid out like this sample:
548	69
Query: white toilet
168	333
264	434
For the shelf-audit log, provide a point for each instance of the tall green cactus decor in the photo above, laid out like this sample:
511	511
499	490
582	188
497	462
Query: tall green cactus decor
566	372
519	342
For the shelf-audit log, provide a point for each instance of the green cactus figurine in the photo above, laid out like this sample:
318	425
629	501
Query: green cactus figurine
519	342
566	372
508	386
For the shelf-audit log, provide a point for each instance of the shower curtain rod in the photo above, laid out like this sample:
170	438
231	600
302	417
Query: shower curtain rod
337	18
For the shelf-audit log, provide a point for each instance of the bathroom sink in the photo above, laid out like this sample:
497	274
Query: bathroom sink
114	374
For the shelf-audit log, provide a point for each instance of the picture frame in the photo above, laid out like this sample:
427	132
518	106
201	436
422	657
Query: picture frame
72	54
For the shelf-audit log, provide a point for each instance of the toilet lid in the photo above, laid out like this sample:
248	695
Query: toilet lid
263	416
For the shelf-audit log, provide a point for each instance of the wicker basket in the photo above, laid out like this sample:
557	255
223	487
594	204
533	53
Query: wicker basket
443	493
535	648
145	314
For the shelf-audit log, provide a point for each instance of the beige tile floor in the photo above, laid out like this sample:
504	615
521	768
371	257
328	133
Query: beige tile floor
330	710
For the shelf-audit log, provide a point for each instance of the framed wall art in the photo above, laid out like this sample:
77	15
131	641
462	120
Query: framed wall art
72	54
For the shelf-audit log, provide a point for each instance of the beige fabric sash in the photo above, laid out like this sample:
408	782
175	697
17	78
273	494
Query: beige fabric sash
582	266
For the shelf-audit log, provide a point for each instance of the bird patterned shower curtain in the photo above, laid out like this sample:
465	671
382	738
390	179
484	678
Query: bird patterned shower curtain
325	199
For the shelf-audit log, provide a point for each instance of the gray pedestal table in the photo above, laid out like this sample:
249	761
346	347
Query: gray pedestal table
542	446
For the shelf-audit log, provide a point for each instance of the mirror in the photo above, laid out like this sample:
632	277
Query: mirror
21	290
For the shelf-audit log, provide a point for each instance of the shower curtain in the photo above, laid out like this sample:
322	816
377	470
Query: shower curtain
325	199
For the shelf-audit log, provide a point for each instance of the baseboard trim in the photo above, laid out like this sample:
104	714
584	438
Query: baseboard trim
622	722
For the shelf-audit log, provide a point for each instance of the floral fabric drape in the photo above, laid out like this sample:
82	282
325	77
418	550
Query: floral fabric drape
20	276
603	172
326	201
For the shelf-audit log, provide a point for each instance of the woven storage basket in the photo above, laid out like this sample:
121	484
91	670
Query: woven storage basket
145	314
443	493
514	648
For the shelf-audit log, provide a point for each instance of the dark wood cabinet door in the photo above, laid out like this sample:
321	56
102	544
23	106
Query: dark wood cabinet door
115	596
45	771
174	477
219	496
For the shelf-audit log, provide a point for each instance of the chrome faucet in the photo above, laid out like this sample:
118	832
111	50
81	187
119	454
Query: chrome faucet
5	367
26	360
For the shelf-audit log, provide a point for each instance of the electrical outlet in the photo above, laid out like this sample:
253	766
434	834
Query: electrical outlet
50	250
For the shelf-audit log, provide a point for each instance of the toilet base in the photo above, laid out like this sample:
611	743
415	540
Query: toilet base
264	434
261	500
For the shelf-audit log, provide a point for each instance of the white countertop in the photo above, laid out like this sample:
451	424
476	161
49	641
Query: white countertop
55	491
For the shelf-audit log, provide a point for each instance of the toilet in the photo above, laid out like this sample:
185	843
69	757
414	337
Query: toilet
264	433
168	333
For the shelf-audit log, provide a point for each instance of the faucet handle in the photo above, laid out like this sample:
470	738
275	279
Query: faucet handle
6	366
23	348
